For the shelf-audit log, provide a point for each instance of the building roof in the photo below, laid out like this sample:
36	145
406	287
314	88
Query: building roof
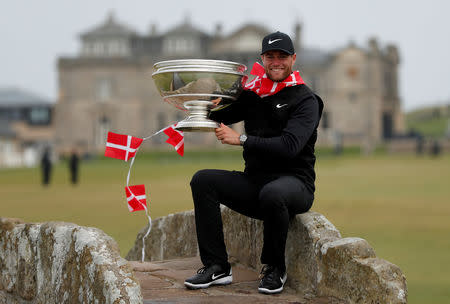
110	28
14	97
185	28
312	57
252	27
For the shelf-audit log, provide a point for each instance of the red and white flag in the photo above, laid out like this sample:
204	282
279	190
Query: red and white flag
121	146
136	198
176	138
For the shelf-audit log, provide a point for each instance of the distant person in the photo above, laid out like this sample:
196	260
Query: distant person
74	161
447	133
337	143
46	166
419	145
435	148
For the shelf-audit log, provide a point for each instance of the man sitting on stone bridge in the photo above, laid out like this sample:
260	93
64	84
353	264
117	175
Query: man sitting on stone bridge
281	115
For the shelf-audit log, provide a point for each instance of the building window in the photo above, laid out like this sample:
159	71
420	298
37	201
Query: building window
313	83
352	97
325	120
387	126
353	73
104	90
4	114
161	121
98	48
389	83
180	45
101	130
14	114
113	48
39	116
116	48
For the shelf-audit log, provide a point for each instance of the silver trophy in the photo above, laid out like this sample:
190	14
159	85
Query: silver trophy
198	86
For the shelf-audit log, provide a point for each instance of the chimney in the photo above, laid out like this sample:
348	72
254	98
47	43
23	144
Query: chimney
298	36
392	53
218	31
374	49
153	30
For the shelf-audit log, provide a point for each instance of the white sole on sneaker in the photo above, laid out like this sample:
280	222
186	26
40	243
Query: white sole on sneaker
222	281
272	291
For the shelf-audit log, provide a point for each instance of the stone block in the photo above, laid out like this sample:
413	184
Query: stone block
62	263
350	270
170	237
319	261
243	238
307	233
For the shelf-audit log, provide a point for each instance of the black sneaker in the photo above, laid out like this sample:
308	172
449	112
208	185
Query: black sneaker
207	276
273	280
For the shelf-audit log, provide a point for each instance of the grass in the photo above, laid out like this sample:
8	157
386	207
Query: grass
400	205
431	122
435	128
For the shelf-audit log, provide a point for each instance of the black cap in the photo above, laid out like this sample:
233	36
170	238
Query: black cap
277	41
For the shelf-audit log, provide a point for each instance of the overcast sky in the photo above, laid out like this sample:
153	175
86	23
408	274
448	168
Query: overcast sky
34	33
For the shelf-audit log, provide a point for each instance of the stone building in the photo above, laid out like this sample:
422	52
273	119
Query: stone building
108	84
25	127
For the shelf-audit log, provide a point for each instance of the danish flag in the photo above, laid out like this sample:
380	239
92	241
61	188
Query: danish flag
122	146
136	198
176	138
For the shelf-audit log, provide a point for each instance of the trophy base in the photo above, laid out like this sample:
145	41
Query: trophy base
194	124
197	120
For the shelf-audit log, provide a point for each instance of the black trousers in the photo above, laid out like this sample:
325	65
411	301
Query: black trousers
74	175
273	199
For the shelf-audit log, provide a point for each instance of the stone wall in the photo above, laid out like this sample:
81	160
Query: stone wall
409	145
319	261
62	263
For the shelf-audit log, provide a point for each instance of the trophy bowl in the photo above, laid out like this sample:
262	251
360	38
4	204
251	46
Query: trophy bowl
198	86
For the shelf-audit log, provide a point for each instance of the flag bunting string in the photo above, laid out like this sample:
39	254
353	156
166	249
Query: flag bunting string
125	146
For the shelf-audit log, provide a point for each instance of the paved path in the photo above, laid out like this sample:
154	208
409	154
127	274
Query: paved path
162	282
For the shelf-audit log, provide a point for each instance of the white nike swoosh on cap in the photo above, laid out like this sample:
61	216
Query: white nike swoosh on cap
272	41
281	105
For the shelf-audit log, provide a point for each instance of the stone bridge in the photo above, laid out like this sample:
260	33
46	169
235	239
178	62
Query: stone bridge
65	263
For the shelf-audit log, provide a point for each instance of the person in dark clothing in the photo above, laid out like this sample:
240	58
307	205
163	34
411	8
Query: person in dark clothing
46	166
435	148
420	142
73	167
281	115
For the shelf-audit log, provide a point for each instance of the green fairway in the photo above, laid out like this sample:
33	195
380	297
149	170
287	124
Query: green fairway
400	205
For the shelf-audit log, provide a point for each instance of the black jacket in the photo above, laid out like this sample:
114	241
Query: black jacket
281	130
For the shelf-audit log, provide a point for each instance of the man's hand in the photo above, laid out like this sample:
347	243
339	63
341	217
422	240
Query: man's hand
227	135
216	101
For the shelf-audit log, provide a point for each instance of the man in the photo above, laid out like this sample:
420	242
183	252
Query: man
74	161
281	116
46	165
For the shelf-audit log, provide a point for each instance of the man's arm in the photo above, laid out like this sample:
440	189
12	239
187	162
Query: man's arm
295	135
233	112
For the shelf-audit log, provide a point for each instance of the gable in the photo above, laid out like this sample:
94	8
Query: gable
247	39
351	54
